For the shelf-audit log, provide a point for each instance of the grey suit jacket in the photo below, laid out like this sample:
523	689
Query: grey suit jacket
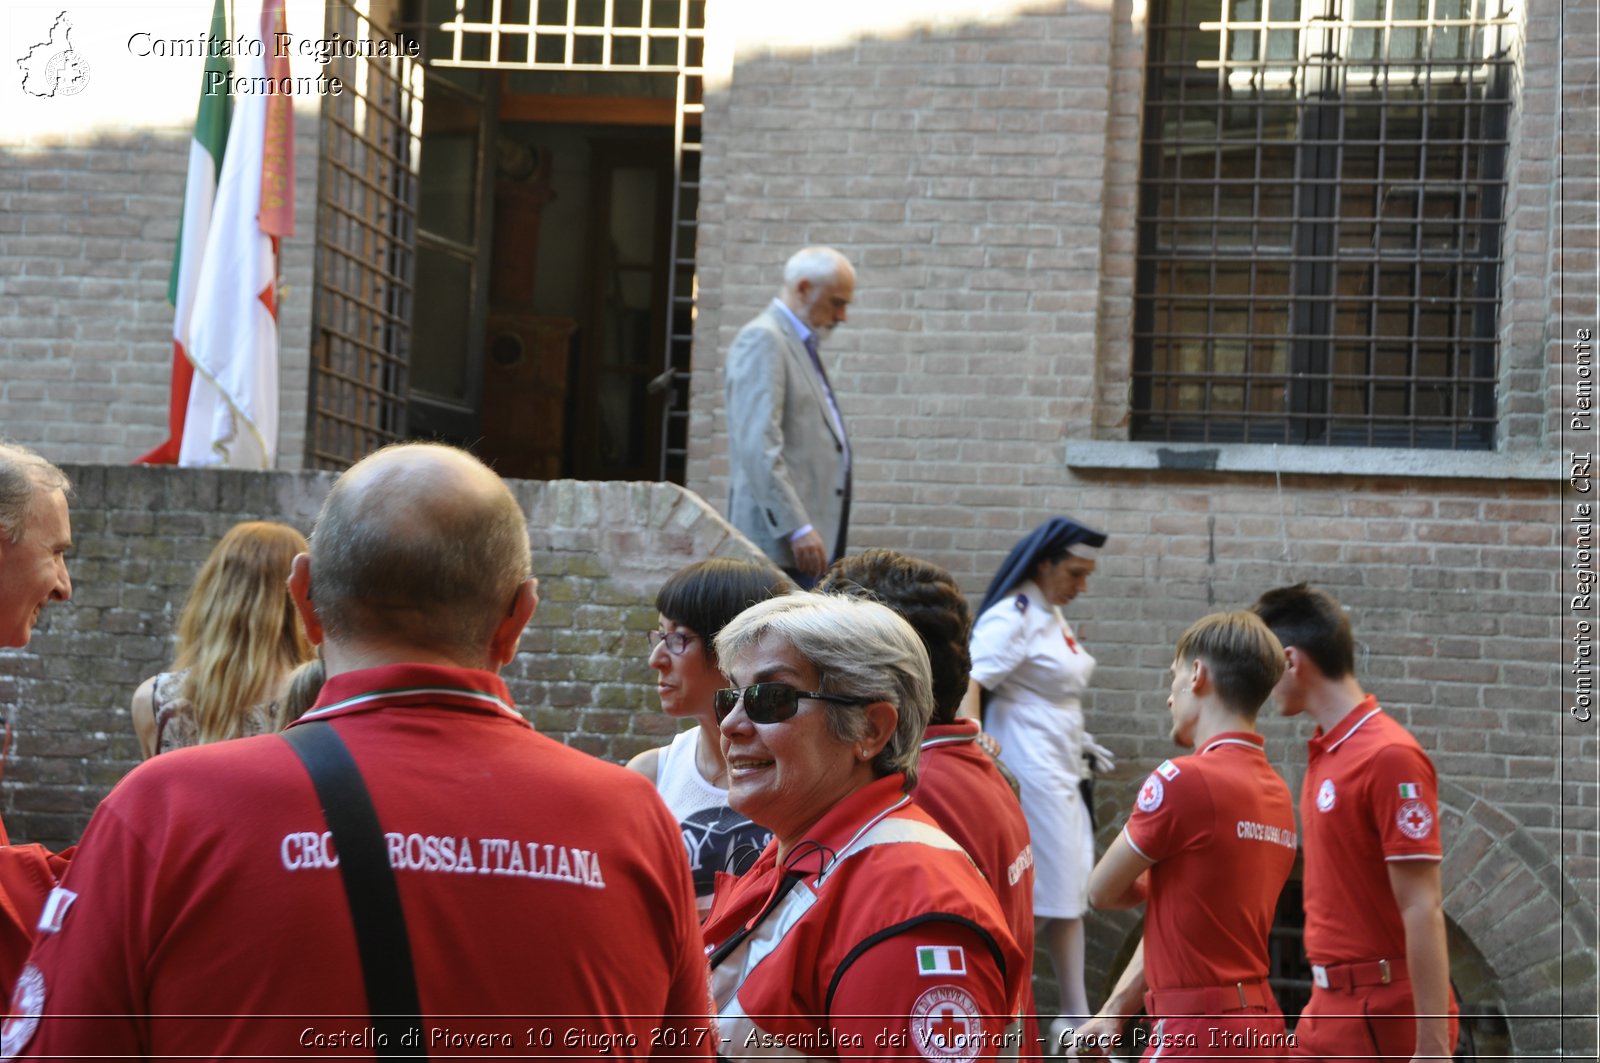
786	464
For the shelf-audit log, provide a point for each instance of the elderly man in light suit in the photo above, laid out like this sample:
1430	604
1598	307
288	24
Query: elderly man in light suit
789	468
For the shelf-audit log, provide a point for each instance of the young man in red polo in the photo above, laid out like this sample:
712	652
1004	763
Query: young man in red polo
1370	815
1207	849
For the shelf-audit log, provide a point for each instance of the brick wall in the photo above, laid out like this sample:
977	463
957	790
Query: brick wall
962	167
89	209
982	174
600	551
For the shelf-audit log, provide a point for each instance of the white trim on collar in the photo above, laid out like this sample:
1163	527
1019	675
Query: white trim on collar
1356	728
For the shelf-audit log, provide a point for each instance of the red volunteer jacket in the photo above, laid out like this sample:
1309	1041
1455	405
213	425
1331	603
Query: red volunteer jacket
888	943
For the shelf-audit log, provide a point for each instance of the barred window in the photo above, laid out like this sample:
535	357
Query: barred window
1320	221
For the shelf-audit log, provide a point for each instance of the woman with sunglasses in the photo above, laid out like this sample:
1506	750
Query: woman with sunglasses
1029	672
863	929
694	604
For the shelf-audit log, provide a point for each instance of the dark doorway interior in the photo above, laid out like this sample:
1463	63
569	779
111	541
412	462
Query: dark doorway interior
446	383
546	322
588	250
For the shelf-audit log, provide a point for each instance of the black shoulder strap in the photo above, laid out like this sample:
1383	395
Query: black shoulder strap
724	950
369	887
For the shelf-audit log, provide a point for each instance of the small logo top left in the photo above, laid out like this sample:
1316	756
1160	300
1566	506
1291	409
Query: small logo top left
54	67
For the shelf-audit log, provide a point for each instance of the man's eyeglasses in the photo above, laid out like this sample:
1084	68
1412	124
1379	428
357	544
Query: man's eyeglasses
771	702
677	641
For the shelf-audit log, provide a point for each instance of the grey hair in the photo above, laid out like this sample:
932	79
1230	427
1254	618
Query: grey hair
819	265
21	473
861	649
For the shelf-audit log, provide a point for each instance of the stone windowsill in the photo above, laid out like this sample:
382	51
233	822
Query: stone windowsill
1328	461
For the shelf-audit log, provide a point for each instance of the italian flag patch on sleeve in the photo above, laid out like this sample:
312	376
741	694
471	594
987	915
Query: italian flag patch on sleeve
1409	789
941	959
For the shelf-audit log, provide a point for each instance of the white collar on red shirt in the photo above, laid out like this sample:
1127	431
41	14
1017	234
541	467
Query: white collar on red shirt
1366	710
398	685
1248	739
945	734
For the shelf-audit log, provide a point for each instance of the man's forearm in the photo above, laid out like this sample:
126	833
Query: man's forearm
1428	963
1127	996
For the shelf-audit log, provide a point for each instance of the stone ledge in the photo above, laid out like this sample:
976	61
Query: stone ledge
1318	461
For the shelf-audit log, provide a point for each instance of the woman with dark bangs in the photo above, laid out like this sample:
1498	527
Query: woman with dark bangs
694	605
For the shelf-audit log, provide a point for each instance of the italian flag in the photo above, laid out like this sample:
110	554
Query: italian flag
941	959
223	409
1409	789
200	191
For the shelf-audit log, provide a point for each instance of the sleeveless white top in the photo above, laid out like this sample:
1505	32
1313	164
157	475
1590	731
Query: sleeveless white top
714	834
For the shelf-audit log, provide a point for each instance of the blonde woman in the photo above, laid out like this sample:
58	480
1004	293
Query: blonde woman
238	642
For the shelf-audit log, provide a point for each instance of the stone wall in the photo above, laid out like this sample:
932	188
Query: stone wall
600	551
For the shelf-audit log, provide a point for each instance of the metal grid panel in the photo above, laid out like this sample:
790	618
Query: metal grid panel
682	289
366	241
1319	229
637	35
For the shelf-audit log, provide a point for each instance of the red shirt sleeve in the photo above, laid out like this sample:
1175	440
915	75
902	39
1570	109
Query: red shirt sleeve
1171	812
77	997
924	994
1404	803
27	875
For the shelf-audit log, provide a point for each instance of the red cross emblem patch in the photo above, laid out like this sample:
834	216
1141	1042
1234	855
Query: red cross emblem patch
946	1026
1415	820
1150	794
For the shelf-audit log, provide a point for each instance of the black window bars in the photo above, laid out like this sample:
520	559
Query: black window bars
1320	218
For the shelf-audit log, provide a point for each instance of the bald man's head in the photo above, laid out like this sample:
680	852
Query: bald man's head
419	543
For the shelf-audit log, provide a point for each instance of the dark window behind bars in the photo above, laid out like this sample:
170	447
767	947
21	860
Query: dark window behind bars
1319	222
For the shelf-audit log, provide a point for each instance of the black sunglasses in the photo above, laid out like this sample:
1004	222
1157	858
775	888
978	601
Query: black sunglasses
771	702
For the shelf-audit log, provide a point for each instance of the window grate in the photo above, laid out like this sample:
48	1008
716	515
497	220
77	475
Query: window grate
663	36
365	251
1319	226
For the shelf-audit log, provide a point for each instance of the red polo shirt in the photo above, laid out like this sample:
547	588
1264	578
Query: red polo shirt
1370	796
959	786
884	949
543	890
1219	826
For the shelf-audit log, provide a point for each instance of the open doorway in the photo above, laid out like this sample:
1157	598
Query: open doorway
506	237
577	320
546	318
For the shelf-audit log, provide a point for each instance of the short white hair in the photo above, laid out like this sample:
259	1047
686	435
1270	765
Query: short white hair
860	649
819	265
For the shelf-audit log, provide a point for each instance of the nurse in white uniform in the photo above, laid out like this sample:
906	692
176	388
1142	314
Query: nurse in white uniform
1029	670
